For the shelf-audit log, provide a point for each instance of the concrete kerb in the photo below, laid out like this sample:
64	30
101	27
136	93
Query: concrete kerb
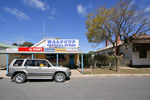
3	75
103	75
112	75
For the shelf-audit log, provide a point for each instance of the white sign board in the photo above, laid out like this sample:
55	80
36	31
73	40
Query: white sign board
73	43
11	49
72	50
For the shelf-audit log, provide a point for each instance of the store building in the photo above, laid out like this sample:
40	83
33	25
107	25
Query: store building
59	51
3	57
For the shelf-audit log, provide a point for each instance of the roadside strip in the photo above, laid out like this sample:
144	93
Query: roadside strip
112	75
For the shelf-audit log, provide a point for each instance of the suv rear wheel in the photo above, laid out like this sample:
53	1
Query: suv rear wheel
60	77
20	78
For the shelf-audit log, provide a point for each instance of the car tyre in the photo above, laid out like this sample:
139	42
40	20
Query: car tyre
20	78
60	77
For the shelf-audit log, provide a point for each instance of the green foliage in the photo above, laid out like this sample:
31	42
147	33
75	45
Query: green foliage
105	60
15	44
101	59
112	60
121	20
91	52
25	44
87	60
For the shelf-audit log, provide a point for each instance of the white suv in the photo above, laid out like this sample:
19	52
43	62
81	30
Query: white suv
22	69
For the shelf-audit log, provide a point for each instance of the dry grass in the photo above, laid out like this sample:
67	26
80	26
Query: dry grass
122	71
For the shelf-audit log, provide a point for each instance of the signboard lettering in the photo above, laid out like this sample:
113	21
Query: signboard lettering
60	50
71	50
62	43
11	49
35	49
49	50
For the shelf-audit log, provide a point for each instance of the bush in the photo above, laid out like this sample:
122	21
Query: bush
101	59
105	60
112	60
87	60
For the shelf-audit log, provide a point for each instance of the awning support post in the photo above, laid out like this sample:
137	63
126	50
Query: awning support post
32	56
57	59
7	62
82	63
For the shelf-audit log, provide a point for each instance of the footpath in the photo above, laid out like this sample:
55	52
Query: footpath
76	74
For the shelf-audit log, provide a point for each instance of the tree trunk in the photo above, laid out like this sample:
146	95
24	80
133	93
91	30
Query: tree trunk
118	64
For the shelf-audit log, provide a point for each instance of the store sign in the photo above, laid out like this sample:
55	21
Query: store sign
71	50
11	49
62	43
60	50
49	50
35	49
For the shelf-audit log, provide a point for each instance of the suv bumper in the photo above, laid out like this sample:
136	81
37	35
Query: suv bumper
68	74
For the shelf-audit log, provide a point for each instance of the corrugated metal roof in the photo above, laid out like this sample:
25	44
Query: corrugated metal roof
7	45
35	45
108	47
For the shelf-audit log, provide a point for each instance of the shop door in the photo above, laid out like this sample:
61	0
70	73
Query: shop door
71	59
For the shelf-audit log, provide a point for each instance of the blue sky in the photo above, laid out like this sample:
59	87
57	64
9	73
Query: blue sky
22	20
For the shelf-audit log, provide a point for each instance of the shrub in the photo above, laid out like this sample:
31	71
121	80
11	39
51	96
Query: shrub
101	59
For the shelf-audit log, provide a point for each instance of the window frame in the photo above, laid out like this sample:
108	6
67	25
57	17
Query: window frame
49	65
16	63
143	54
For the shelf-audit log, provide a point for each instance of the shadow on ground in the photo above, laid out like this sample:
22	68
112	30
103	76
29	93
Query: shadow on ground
1	77
71	66
41	80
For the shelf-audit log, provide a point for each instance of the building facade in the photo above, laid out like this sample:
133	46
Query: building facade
62	52
3	57
68	50
138	53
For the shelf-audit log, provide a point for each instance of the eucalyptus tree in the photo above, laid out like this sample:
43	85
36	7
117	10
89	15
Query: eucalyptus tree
120	21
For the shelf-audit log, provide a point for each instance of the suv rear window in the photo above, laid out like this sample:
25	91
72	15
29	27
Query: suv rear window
18	63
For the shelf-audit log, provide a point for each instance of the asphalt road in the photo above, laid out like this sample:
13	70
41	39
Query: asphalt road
109	88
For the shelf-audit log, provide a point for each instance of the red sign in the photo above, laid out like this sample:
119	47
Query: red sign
35	49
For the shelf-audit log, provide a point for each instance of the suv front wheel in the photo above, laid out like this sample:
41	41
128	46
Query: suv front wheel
20	78
60	77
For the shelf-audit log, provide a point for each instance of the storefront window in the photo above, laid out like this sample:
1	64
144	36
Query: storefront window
53	58
28	56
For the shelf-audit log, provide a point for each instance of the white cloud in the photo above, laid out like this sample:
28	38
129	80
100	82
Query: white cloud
53	11
19	14
36	4
147	9
82	10
51	17
7	42
19	39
